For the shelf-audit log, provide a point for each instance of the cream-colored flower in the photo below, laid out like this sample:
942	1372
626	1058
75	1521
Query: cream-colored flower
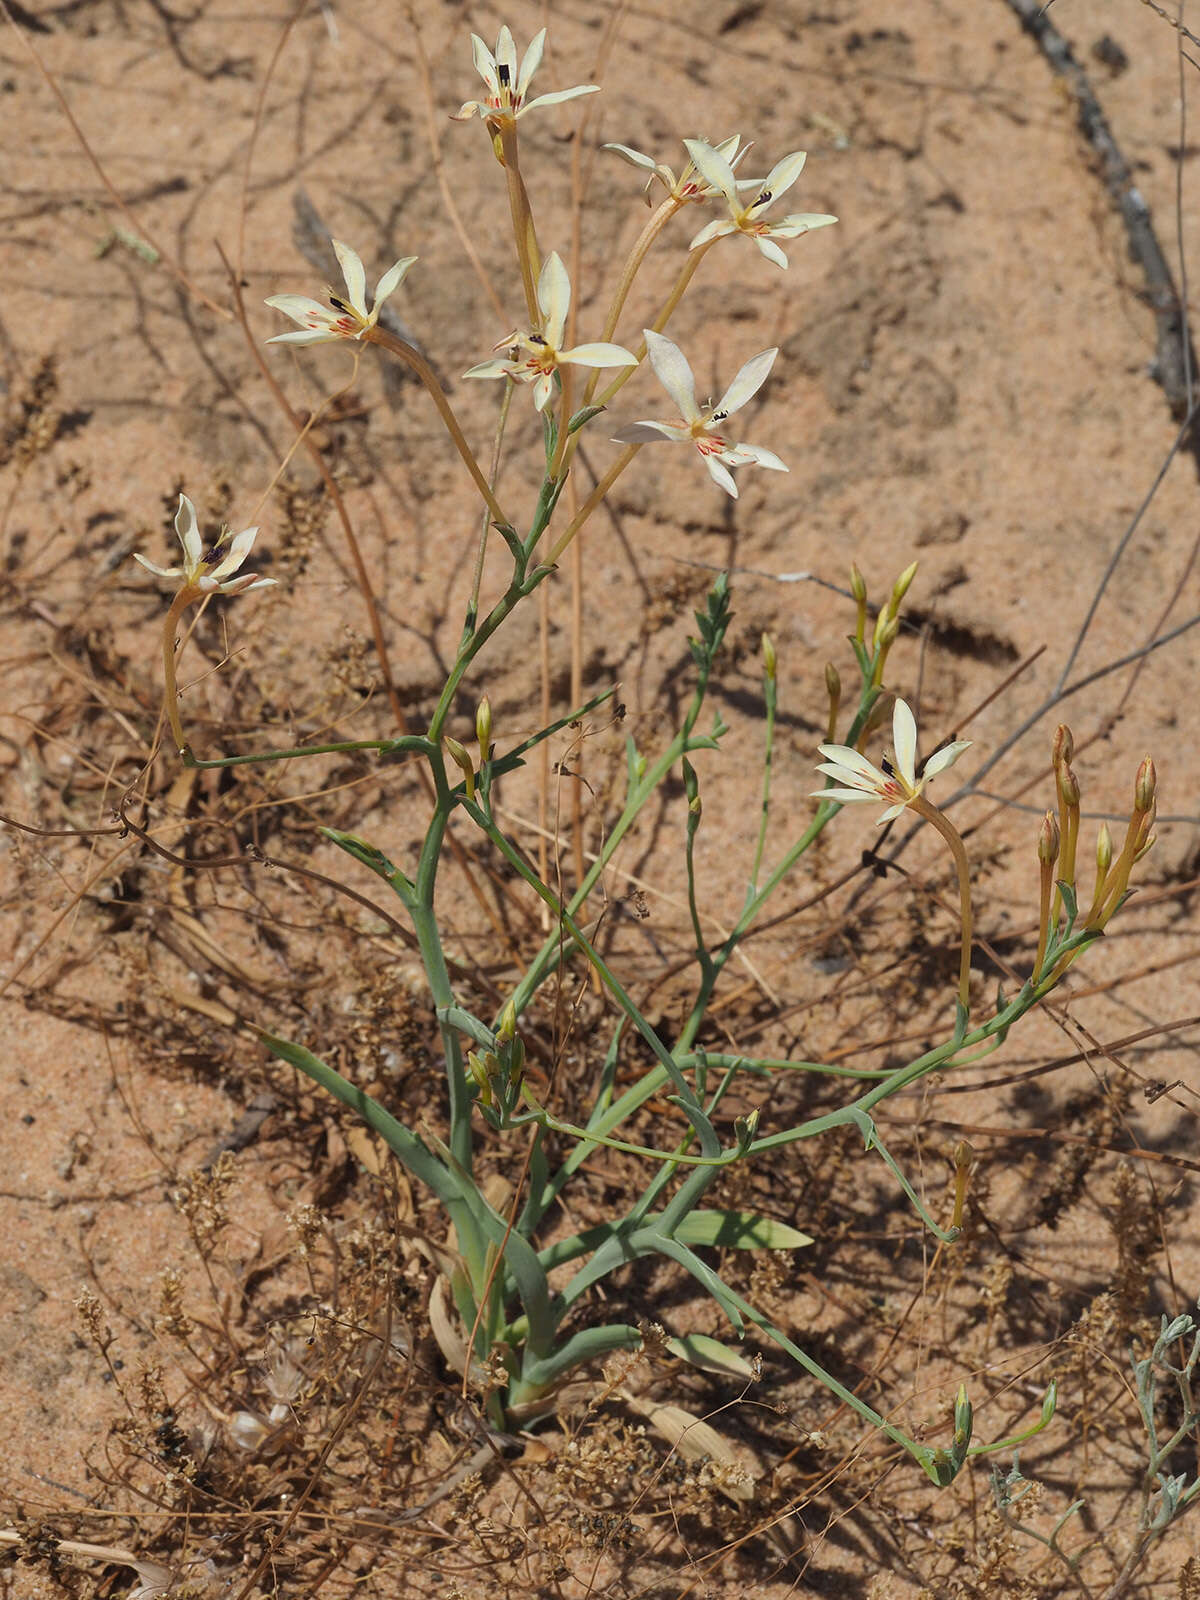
544	355
896	783
748	218
703	428
349	317
506	86
691	186
209	571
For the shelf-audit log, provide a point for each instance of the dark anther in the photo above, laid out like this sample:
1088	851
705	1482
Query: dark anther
340	305
719	416
764	198
503	74
212	557
886	767
536	338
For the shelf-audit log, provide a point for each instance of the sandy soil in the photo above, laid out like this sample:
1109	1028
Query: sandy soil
965	377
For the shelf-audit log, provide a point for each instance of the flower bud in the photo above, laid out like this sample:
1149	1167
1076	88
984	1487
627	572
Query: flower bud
833	684
1068	786
1145	785
964	1154
1103	850
1062	751
1145	845
858	584
483	726
1048	840
769	660
462	760
507	1027
901	588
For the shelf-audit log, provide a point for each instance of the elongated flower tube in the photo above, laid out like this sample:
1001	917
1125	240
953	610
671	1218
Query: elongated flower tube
346	316
896	782
704	429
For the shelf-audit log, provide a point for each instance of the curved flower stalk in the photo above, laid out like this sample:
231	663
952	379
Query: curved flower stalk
544	355
702	427
349	317
691	186
896	782
507	86
747	218
209	571
204	572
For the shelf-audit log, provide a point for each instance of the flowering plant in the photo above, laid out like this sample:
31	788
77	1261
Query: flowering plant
514	1292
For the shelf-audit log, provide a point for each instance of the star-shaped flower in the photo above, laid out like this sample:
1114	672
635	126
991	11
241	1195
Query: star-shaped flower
747	218
702	428
538	367
690	185
506	87
209	571
896	783
349	318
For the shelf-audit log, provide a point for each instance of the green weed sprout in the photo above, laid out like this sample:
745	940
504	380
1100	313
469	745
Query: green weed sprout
1165	1496
524	1300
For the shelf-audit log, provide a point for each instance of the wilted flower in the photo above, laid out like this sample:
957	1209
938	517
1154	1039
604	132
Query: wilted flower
896	782
747	218
349	318
690	185
506	87
155	1581
702	427
209	571
554	299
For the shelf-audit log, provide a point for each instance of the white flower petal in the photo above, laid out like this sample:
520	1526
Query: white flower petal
189	532
783	175
857	781
301	308
746	384
712	230
316	336
846	797
159	572
506	56
530	62
890	813
485	64
559	97
467	110
673	372
650	433
721	475
239	548
904	743
598	355
356	278
760	457
554	298
843	755
945	757
494	369
772	252
800	222
543	388
391	281
634	157
714	167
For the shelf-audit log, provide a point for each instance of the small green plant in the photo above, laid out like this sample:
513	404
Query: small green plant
524	1315
1164	1495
